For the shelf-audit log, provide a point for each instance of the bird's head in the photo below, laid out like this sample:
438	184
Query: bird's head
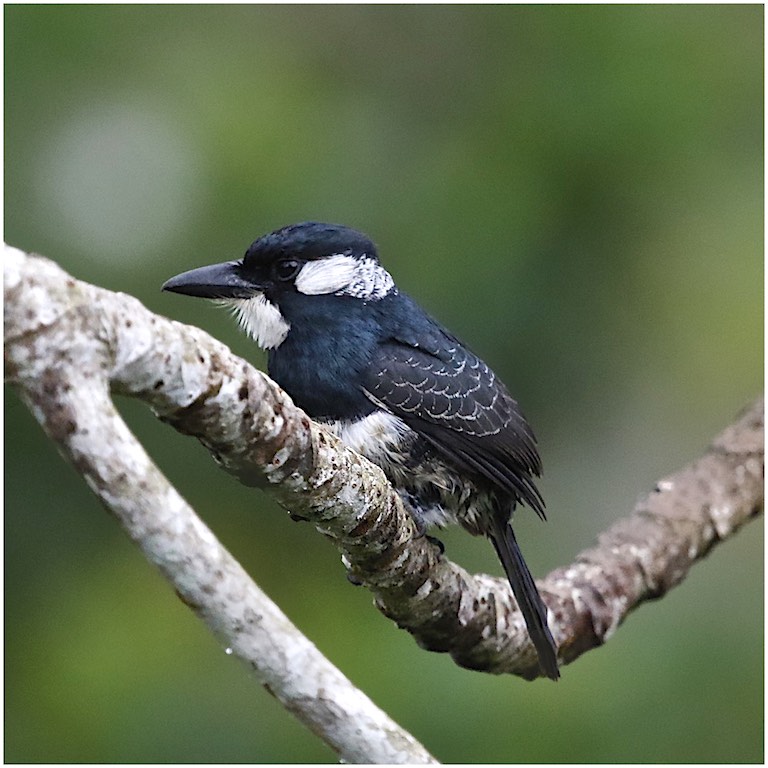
283	270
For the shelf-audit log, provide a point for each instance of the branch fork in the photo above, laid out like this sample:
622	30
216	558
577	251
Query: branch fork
68	345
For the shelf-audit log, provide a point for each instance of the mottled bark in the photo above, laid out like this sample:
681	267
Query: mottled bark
68	344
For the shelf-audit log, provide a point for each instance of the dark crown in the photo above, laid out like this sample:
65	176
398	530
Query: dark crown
311	240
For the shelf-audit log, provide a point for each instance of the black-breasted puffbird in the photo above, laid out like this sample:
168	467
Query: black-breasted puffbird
362	357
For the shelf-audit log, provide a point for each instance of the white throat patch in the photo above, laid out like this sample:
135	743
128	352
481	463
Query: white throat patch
260	319
345	275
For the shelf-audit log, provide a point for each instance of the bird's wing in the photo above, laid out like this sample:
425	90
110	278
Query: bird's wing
454	400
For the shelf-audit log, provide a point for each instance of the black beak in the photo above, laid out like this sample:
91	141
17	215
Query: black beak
218	281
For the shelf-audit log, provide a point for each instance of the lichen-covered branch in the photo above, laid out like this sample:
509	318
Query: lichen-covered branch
254	431
644	555
65	343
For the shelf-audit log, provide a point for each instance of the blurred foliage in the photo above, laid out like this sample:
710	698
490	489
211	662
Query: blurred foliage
575	190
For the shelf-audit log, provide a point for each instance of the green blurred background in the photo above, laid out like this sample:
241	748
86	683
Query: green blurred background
576	191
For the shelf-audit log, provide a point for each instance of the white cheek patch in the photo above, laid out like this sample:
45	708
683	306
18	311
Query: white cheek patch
370	281
329	275
260	319
344	275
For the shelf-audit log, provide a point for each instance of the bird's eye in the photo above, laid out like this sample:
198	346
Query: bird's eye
286	269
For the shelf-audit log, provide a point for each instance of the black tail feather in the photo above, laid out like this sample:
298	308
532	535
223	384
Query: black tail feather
528	599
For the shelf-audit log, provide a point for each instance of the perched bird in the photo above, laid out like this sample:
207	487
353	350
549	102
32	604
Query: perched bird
361	356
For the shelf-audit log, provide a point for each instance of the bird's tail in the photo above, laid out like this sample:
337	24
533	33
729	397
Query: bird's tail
528	599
